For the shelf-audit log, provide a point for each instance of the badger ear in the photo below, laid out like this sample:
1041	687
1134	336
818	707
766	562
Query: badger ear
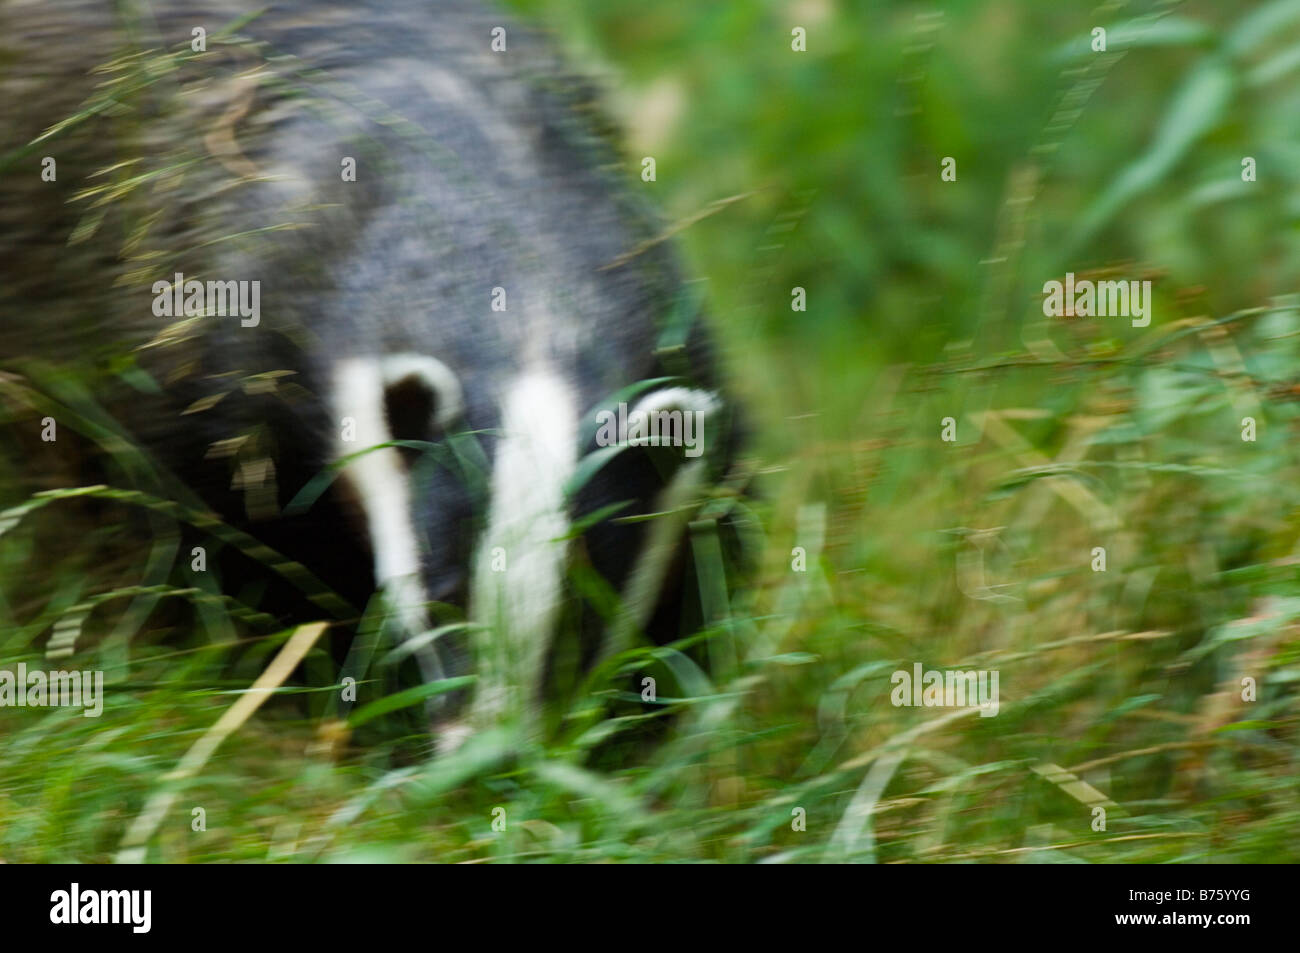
685	418
681	398
422	396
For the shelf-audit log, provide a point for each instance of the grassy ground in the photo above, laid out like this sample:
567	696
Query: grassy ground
880	544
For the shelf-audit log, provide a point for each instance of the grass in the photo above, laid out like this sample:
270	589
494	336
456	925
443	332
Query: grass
879	545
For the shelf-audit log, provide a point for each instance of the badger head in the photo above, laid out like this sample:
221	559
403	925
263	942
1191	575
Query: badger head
551	461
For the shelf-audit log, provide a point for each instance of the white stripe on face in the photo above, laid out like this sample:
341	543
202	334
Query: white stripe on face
519	568
382	485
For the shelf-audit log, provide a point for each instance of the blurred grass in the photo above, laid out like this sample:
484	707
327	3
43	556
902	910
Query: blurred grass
923	304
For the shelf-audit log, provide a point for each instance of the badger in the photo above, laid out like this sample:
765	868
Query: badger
438	278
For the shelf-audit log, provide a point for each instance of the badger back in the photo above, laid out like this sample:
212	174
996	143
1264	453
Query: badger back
426	231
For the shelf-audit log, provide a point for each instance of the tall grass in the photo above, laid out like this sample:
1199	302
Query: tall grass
773	737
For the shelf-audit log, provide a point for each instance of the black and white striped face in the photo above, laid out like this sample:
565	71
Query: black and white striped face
507	562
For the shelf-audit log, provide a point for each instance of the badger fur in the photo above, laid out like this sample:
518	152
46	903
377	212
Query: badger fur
447	245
